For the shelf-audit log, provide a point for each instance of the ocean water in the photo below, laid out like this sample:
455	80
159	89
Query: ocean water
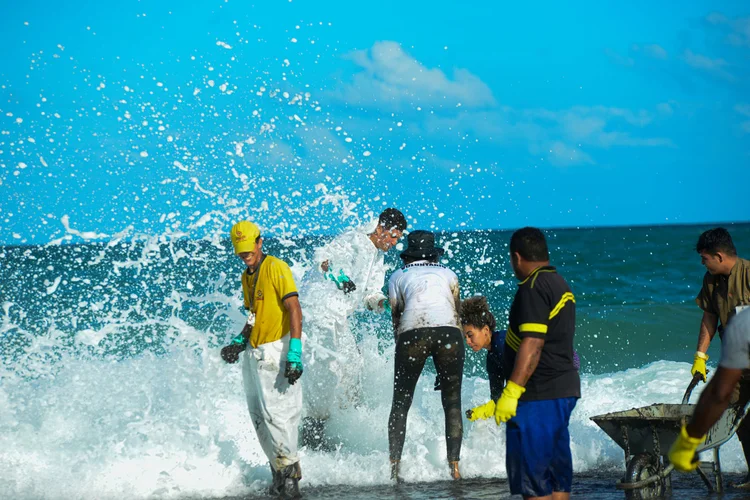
111	384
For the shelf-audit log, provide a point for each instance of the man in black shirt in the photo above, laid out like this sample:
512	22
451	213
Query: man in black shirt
542	381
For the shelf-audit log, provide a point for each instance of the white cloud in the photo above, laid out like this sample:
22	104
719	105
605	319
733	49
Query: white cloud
665	108
391	77
562	155
618	58
590	126
549	133
744	110
655	51
705	63
738	28
636	53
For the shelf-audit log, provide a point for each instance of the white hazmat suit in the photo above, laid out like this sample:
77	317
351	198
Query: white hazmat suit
333	358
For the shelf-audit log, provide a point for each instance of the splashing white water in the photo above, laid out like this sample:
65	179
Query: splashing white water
176	426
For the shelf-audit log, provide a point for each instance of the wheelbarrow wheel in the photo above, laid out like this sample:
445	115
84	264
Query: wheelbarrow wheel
640	467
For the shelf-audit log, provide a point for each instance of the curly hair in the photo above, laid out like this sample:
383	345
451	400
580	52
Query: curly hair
475	311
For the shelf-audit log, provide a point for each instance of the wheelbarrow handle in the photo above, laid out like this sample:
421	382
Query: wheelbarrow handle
696	378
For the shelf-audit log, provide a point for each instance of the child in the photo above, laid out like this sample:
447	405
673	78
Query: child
478	324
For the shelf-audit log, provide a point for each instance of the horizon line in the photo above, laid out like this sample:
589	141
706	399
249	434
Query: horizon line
550	228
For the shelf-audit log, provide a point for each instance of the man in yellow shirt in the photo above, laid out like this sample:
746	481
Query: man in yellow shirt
273	398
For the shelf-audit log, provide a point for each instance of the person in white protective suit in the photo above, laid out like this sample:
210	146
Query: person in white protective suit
348	275
271	341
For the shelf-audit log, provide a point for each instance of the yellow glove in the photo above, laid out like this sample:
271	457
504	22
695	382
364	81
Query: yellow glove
505	409
682	452
482	412
699	364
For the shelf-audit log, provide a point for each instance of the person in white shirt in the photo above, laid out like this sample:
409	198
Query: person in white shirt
424	298
353	263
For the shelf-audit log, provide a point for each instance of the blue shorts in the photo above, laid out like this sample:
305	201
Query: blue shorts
538	457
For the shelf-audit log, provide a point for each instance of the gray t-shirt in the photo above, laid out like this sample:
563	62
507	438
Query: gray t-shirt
735	347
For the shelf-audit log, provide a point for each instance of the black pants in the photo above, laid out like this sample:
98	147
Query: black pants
446	346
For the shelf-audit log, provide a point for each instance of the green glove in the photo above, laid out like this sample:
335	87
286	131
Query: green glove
294	369
343	282
682	453
482	412
239	340
387	306
231	353
506	406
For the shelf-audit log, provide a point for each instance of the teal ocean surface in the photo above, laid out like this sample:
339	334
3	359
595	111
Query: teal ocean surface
111	384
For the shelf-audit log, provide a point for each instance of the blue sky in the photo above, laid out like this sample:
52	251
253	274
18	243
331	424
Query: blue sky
158	117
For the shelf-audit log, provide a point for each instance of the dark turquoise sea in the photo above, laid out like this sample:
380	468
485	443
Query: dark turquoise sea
111	385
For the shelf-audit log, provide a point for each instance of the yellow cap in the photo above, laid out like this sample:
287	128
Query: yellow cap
244	234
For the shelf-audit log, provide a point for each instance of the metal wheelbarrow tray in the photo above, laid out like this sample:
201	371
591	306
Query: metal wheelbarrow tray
646	434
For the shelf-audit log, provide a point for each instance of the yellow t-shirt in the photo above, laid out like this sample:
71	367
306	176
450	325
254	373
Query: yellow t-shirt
264	292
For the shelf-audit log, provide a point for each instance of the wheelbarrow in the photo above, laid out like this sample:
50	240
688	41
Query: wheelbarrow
647	433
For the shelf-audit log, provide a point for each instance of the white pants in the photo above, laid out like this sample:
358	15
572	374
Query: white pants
275	405
335	365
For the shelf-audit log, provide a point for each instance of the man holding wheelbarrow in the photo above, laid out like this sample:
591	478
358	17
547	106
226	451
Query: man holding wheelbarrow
725	292
735	359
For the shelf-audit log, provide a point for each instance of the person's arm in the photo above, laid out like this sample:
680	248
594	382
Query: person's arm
455	290
330	255
396	303
709	324
395	319
291	304
533	313
293	370
495	374
735	357
231	353
526	360
713	401
246	330
286	291
374	300
707	332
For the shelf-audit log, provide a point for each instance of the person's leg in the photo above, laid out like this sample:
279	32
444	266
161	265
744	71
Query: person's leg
349	367
530	448
281	405
554	496
448	354
411	354
253	394
321	362
562	460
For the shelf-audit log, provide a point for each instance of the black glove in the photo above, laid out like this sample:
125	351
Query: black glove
231	353
293	372
348	287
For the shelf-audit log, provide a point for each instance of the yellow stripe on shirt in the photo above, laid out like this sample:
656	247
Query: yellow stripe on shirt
533	327
512	340
536	275
567	296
